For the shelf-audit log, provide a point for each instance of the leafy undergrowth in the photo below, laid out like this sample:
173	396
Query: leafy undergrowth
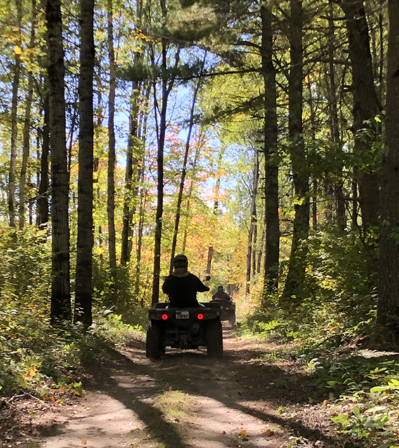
351	366
37	358
42	369
353	391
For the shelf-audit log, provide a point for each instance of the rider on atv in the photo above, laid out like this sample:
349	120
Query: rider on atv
221	294
182	286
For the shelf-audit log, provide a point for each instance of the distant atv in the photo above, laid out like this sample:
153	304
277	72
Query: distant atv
228	310
184	328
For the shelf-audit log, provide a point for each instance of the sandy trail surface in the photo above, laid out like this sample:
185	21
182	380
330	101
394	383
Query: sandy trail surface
250	398
216	404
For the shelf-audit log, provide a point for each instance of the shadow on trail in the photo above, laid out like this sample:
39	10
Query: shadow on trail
134	396
226	381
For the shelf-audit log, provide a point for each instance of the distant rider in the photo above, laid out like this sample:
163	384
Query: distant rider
221	294
182	286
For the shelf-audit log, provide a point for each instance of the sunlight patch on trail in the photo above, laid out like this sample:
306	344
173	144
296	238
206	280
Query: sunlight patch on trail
221	425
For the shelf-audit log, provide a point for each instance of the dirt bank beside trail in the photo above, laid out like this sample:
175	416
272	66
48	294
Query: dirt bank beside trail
184	400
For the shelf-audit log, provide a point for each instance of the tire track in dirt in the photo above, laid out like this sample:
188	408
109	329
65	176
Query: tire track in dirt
225	403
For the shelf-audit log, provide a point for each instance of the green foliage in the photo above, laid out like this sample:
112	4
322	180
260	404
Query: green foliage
362	426
339	296
36	356
336	316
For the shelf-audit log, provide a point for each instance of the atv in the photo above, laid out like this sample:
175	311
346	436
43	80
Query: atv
228	310
184	328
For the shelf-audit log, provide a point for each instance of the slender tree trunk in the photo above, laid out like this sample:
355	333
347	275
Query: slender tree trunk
134	167
14	123
313	136
272	242
252	226
96	161
140	230
218	180
355	201
315	186
84	261
135	156
388	301
25	152
183	172
26	133
143	193
381	54
190	192
365	109
160	186
111	154
254	243
260	254
338	186
209	260
132	150
161	132
42	202
60	288
72	133
297	262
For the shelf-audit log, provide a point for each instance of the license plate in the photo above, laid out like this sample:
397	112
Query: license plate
182	314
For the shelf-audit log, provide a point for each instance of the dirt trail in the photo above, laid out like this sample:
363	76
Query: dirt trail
229	403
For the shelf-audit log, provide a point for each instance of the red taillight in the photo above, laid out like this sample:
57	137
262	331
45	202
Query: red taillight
200	316
164	317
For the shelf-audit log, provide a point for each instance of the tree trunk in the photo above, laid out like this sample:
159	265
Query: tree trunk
388	301
160	186
167	86
260	254
140	230
251	254
42	201
254	243
209	260
111	155
60	288
272	242
335	136
183	172
135	155
84	261
25	152
190	192
143	193
26	133
14	123
72	132
218	179
297	262
98	119
365	109
129	197
134	167
313	136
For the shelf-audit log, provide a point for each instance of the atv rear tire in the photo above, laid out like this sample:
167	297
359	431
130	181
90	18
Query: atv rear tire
214	336
153	349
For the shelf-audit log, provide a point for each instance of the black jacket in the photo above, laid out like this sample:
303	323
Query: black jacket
221	295
182	290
